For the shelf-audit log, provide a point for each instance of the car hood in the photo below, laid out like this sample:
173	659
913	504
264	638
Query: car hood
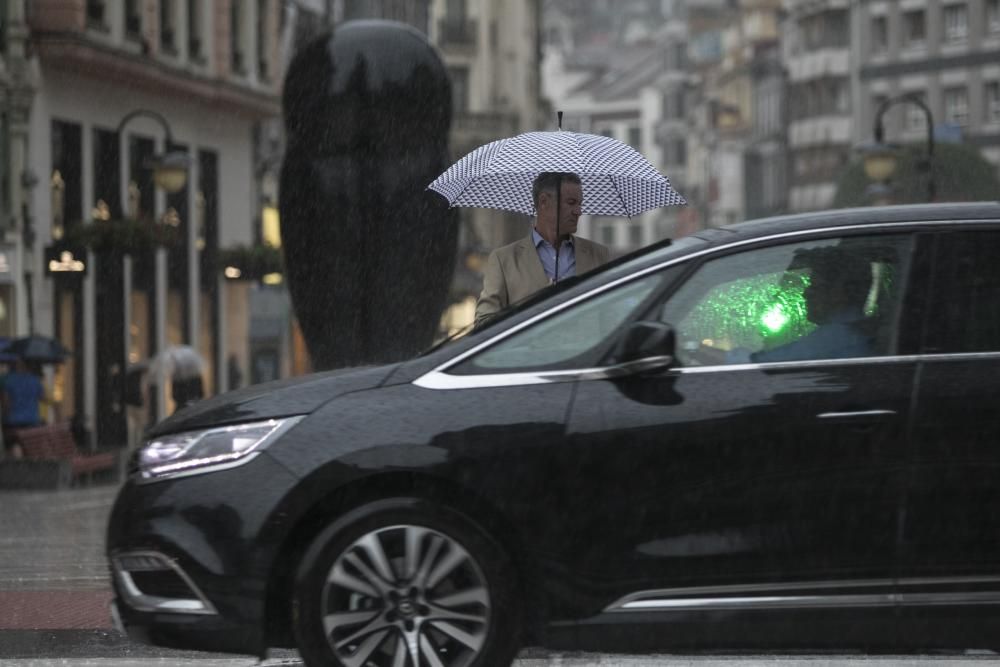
283	398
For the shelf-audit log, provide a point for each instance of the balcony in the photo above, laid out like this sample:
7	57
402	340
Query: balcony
457	34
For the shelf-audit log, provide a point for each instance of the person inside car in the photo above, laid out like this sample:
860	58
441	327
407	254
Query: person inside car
835	298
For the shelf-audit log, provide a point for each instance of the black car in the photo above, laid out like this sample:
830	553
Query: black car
682	450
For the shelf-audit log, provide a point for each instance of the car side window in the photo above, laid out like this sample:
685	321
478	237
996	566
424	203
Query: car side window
963	314
566	340
819	299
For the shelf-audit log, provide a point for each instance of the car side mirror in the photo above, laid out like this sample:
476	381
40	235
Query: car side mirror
643	340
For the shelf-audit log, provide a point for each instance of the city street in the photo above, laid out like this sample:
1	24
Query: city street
54	595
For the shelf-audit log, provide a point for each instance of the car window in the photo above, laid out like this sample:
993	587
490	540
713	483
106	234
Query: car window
963	312
570	338
831	298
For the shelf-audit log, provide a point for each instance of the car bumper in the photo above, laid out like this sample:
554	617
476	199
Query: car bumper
188	569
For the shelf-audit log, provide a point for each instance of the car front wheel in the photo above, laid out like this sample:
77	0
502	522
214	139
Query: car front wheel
404	583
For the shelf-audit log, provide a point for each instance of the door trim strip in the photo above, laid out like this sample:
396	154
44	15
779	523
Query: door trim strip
805	595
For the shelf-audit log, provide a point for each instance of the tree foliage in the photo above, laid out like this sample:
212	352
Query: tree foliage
960	173
123	236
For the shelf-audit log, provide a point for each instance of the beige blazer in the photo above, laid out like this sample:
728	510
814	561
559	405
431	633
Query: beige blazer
514	272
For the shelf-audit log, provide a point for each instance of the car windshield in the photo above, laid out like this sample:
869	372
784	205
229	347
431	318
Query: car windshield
202	197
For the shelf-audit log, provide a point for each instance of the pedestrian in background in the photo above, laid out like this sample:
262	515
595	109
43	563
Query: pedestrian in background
21	399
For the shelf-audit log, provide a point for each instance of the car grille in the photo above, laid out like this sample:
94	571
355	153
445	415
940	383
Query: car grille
162	584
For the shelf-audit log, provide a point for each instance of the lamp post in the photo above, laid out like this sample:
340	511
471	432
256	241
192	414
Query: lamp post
880	158
170	172
169	169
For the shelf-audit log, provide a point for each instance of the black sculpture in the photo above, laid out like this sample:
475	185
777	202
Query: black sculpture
369	252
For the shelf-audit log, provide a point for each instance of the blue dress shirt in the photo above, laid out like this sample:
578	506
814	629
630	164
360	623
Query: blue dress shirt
547	254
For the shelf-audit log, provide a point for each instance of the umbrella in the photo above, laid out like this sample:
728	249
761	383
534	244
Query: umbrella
5	355
616	179
178	362
40	349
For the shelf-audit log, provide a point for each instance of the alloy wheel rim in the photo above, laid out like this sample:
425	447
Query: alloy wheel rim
405	596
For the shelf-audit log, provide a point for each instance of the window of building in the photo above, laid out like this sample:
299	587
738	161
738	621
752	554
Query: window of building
991	96
992	16
840	96
832	29
679	56
915	118
96	14
66	179
168	26
914	27
141	194
678	151
880	34
196	49
956	106
608	234
673	104
956	23
133	19
635	234
107	178
635	137
237	48
876	103
263	59
459	88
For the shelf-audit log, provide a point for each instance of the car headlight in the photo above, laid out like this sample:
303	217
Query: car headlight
205	450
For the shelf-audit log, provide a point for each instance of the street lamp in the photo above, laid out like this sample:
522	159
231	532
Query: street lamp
880	158
169	169
170	173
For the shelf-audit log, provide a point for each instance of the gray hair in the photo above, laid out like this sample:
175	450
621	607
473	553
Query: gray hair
546	182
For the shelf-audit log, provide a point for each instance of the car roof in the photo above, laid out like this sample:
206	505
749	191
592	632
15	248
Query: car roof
798	222
971	211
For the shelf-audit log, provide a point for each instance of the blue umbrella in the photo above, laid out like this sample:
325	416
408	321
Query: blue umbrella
40	349
616	179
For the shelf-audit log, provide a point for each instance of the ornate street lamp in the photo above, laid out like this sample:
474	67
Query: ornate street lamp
880	158
169	169
170	172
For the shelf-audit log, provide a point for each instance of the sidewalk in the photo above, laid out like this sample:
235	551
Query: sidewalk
53	573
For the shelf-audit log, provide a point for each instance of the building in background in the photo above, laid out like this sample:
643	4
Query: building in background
816	51
209	70
947	53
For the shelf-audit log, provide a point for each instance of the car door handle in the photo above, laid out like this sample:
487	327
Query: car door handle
854	414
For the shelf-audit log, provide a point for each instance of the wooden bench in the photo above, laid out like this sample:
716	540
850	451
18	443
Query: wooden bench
55	442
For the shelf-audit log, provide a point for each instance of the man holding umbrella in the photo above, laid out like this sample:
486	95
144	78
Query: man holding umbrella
551	253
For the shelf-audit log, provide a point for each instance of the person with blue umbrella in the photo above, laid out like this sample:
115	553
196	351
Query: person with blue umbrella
21	399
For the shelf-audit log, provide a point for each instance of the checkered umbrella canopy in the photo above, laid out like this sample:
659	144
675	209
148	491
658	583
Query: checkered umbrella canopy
616	179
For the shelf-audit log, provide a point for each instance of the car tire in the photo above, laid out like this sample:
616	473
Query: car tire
396	580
